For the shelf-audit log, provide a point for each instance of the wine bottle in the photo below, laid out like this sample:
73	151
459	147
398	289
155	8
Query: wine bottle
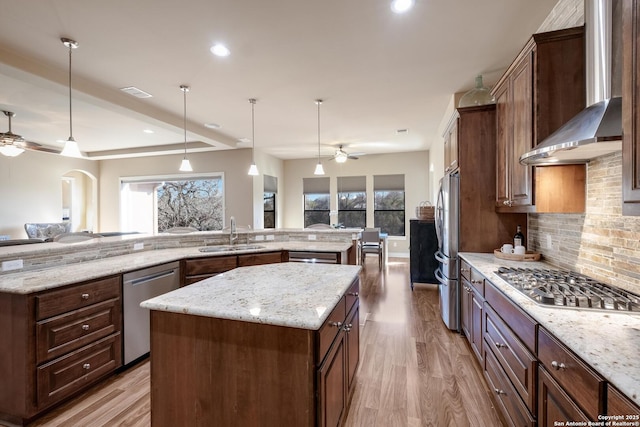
518	238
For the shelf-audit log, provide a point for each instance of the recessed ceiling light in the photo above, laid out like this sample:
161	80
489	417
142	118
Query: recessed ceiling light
401	6
134	91
219	49
212	125
147	131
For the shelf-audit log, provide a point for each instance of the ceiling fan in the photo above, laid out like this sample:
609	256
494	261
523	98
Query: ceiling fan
12	145
341	156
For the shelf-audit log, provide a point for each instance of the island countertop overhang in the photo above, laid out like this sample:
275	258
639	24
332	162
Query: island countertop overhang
298	295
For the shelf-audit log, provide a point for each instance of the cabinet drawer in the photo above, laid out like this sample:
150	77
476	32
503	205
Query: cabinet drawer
473	276
507	398
330	328
66	375
259	259
523	326
517	362
465	269
352	294
578	380
74	297
61	334
211	265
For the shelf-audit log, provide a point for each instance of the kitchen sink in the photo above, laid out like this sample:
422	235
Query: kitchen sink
229	248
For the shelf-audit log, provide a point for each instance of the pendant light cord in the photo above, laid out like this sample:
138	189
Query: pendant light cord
318	102
184	89
70	114
253	130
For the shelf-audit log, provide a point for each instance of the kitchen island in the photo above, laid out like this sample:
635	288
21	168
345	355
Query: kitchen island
264	345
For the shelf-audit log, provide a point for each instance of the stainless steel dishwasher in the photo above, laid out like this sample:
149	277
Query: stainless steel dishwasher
139	286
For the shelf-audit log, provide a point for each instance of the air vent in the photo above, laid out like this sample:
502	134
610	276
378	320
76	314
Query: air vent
401	131
138	93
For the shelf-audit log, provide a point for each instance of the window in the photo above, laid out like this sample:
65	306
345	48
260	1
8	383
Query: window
316	201
156	204
270	191
389	208
352	201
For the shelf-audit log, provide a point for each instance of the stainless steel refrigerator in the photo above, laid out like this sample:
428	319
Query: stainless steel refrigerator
447	217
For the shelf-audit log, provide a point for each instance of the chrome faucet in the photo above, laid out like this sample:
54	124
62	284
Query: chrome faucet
233	232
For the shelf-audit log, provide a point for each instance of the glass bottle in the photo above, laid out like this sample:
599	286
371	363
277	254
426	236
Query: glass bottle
518	238
479	95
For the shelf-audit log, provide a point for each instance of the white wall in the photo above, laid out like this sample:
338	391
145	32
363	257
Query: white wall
31	189
267	165
414	165
238	187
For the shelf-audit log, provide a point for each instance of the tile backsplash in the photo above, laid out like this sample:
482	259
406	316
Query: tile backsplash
600	243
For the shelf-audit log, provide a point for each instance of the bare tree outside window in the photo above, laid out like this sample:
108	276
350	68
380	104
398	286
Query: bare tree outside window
192	203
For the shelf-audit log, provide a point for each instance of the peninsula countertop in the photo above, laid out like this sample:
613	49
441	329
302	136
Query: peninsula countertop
25	282
608	341
299	295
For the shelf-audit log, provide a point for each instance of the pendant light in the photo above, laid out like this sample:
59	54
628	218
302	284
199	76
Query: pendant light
319	169
253	169
71	148
185	166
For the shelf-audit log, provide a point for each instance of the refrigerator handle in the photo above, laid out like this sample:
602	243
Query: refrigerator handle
441	258
439	215
441	278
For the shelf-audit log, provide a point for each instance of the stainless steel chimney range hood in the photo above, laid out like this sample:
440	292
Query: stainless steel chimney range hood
596	130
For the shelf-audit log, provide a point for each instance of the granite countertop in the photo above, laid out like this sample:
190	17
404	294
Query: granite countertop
25	282
298	295
608	341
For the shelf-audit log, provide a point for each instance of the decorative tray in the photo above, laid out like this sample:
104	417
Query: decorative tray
528	256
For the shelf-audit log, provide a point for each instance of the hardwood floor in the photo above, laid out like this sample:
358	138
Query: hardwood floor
413	371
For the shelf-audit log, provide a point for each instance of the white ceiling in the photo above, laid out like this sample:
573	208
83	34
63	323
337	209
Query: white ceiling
376	71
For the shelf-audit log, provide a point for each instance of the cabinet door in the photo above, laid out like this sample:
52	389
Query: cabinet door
503	148
522	110
453	147
465	309
554	404
352	328
259	259
475	338
630	102
332	390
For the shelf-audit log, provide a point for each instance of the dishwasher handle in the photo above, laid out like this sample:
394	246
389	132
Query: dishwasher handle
151	277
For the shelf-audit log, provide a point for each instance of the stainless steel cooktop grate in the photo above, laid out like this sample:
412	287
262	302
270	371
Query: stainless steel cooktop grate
569	289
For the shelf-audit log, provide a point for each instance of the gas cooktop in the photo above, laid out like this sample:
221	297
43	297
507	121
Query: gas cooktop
568	289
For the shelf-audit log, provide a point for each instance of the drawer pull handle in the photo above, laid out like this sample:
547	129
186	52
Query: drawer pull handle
476	282
348	327
353	294
86	366
500	345
464	270
499	392
85	327
557	366
85	296
336	324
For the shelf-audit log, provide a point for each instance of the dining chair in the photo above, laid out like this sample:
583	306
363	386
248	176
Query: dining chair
370	244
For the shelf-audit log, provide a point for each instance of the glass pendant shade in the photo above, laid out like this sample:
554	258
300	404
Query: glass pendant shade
71	148
11	150
319	169
253	170
185	166
479	95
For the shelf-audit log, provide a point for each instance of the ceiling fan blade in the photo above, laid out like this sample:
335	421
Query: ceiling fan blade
34	146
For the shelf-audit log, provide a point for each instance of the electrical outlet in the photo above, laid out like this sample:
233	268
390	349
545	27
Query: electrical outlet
138	246
259	238
549	241
15	264
270	236
312	237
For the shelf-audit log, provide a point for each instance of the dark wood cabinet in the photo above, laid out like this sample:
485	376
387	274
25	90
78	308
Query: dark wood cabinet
554	404
332	393
451	147
472	302
261	258
481	228
56	344
630	106
423	244
542	89
619	404
196	269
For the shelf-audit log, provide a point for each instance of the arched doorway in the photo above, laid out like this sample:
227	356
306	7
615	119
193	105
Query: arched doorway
79	200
